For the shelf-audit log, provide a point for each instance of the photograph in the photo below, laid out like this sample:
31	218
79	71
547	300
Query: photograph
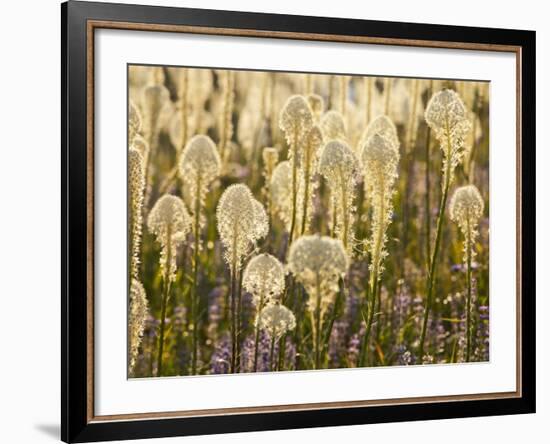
282	221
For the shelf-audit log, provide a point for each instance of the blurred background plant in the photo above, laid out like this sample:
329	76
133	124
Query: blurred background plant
282	221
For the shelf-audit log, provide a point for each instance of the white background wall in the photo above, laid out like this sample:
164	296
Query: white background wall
30	221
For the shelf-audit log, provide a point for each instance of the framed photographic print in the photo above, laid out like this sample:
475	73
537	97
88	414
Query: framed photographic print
276	221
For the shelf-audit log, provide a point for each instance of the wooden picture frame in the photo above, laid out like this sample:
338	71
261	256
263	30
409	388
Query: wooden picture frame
79	22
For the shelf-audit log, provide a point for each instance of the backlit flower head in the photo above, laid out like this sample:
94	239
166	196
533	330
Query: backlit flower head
380	157
333	126
384	127
200	165
449	120
264	278
136	181
318	262
276	320
170	222
138	311
339	166
281	192
236	216
466	208
296	119
260	227
309	157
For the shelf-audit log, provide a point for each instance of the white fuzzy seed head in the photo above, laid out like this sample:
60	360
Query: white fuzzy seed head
138	310
236	216
466	208
264	278
281	192
333	126
384	127
380	157
295	119
448	118
318	262
200	165
136	181
276	320
170	222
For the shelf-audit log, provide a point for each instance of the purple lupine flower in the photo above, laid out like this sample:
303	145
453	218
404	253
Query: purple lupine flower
354	347
220	360
337	343
482	334
247	354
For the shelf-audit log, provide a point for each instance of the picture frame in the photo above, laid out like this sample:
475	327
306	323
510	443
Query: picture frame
79	181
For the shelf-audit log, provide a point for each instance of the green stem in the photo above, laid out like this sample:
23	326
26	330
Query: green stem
257	335
164	302
294	149
318	325
271	353
431	274
194	295
238	322
469	287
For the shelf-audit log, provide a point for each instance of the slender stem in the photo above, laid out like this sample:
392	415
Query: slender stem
431	273
318	325
164	302
371	299
194	295
238	323
306	191
257	335
334	313
294	149
282	341
345	210
427	198
271	353
469	289
373	278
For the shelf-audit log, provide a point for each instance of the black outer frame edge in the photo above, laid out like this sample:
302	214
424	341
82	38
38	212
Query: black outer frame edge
74	426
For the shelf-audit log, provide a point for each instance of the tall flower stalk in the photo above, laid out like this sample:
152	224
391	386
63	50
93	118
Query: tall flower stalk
136	181
169	221
380	156
137	314
241	222
318	262
264	278
276	320
448	118
308	166
339	166
295	120
200	165
225	123
466	208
